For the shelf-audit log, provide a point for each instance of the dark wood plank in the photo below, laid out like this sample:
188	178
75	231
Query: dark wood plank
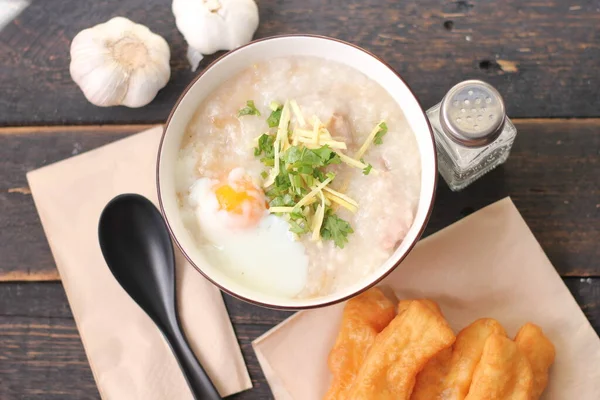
44	300
44	359
586	292
541	55
260	388
41	356
552	176
48	300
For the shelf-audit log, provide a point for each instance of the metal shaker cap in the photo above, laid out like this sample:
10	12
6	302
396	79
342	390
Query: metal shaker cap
472	113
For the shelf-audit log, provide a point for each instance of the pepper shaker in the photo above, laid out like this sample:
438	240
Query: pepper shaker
472	133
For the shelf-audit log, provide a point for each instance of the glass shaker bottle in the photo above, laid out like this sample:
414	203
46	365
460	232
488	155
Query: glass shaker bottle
472	133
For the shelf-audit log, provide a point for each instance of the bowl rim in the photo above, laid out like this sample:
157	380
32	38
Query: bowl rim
317	305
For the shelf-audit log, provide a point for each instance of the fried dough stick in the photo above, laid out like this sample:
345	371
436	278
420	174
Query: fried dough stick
448	375
400	351
540	352
403	305
502	373
363	318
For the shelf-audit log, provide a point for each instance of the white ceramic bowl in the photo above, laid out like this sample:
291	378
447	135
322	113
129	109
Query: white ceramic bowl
228	66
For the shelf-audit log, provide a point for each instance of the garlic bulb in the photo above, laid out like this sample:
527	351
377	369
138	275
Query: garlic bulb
212	25
119	63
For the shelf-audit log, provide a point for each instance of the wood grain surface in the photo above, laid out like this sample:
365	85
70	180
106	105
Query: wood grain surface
551	175
541	55
43	358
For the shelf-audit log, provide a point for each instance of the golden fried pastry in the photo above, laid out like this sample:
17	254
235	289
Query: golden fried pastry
364	317
403	305
400	351
448	375
539	351
430	381
503	372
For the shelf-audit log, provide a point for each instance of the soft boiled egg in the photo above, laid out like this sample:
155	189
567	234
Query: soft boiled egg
251	245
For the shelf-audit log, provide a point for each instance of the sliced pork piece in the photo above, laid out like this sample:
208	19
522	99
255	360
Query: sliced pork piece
341	130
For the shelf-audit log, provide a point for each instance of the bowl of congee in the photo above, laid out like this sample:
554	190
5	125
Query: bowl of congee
296	171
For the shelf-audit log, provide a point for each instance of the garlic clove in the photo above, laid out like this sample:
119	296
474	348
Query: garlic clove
142	85
242	24
86	55
119	63
194	57
212	25
108	86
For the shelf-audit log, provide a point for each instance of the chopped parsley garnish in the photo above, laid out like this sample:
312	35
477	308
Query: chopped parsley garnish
378	139
265	146
250	109
367	169
273	120
305	160
298	175
299	226
336	229
301	169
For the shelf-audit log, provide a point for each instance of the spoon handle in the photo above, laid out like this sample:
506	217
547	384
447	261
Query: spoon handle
200	384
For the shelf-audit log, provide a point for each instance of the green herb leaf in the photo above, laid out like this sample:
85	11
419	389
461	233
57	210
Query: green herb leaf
300	170
250	109
283	201
288	200
273	105
269	162
282	183
298	228
310	158
301	158
276	202
292	155
265	144
305	169
266	147
336	229
318	174
367	169
273	120
327	155
378	139
264	174
297	182
273	192
309	180
296	216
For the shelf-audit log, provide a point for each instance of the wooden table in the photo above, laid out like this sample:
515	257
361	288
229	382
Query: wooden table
542	56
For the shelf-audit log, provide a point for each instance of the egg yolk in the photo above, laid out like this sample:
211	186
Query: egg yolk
241	200
231	200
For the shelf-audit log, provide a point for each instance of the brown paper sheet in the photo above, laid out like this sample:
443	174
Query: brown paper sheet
486	265
128	356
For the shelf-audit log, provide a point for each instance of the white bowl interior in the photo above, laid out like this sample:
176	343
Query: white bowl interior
229	66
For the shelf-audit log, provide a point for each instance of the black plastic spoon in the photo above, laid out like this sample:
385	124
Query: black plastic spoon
136	245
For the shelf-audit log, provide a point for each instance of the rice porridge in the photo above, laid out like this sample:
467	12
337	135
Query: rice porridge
298	176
